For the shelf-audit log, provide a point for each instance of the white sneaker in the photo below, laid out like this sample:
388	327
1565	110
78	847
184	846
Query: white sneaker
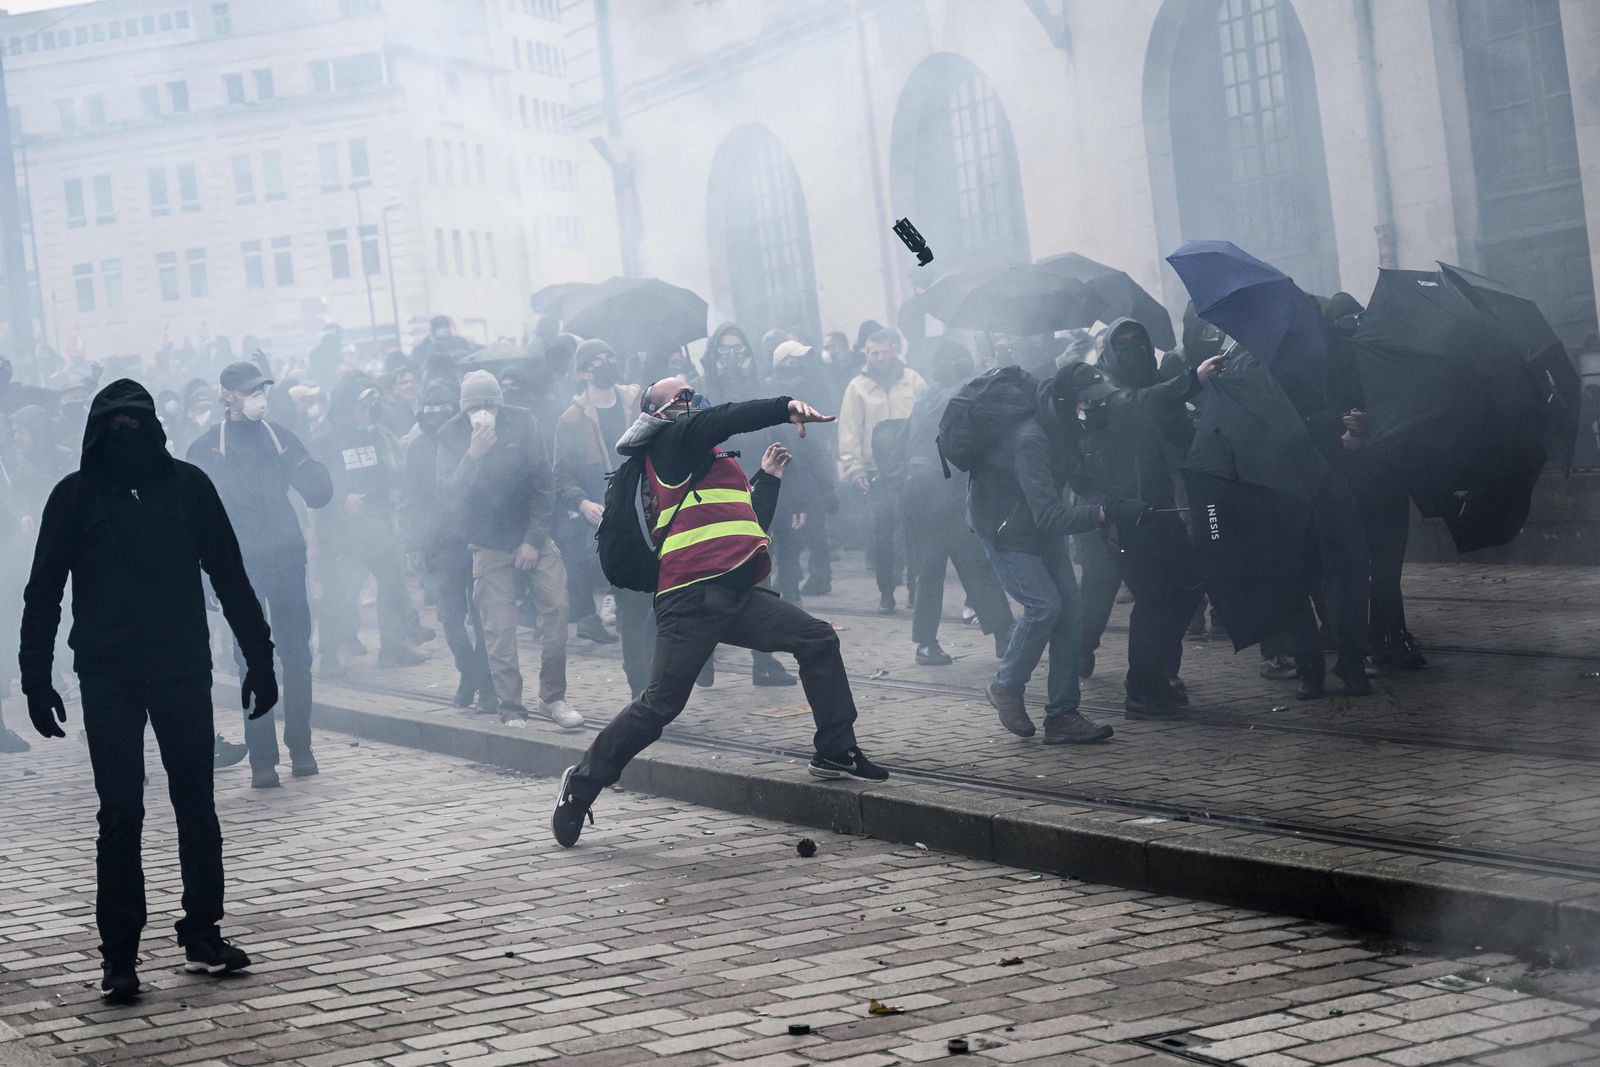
562	715
608	609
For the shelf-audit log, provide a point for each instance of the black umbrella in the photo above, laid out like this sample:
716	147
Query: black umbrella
1251	475
1451	405
636	315
1018	300
552	299
1536	340
1120	296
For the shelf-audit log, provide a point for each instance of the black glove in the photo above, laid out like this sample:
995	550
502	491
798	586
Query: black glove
1125	512
260	683
47	712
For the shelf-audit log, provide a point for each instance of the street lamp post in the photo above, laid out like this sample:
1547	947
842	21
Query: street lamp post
388	253
361	253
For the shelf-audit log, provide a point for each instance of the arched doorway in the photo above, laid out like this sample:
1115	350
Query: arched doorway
953	165
1230	87
1531	229
760	237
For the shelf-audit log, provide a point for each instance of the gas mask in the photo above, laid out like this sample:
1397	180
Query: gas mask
481	417
255	407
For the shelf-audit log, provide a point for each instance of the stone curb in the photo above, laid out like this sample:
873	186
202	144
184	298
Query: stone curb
1395	893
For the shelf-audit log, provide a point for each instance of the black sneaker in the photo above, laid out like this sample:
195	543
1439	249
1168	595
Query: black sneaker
566	820
592	629
213	954
1178	692
1355	683
303	764
263	778
119	983
1155	708
772	673
1278	668
466	688
1309	689
1072	728
226	753
1404	653
886	604
421	635
812	587
852	764
1013	713
931	655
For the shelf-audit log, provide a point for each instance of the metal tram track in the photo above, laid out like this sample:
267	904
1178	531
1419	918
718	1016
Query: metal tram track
1487	857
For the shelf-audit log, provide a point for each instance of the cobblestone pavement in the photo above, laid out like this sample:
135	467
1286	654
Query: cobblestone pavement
409	909
1495	746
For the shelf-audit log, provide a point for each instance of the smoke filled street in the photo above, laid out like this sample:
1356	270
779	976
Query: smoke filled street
800	531
413	924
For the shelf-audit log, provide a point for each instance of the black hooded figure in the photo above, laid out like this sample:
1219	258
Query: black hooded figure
1127	453
134	528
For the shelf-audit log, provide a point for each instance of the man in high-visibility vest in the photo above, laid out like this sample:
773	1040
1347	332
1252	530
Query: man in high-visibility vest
710	526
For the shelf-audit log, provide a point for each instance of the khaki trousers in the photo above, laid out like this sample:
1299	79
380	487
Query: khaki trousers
494	589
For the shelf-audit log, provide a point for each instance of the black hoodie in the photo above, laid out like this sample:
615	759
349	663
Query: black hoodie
254	465
1131	456
134	528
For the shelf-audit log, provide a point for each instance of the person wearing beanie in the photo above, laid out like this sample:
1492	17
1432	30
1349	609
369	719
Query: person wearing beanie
585	454
433	533
254	463
495	476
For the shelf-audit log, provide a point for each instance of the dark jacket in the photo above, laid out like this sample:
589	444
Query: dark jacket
135	536
361	460
254	465
508	497
1020	497
1147	426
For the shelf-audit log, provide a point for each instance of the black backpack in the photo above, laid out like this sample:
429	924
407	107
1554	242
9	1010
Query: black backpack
980	412
629	557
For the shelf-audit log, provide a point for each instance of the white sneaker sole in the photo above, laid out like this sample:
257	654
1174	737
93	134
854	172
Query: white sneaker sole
191	967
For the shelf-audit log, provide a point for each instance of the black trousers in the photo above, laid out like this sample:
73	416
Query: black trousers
114	714
787	543
1158	565
819	543
690	623
1386	518
887	528
282	591
575	538
345	561
1102	577
1343	566
636	627
937	534
449	574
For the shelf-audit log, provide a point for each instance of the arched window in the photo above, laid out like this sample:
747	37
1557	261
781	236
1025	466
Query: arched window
954	165
760	238
1531	227
1246	157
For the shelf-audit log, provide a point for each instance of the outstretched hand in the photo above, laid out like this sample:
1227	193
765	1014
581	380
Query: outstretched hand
47	712
801	413
260	692
776	460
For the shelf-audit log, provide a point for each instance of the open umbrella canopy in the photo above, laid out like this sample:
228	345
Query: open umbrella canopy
1120	296
1451	406
1251	474
1020	300
1536	340
636	314
552	299
1259	306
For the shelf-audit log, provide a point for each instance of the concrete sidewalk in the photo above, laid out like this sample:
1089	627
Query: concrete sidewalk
1432	809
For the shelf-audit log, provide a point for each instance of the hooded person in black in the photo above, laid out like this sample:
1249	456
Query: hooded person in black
134	528
356	533
433	532
254	463
1128	445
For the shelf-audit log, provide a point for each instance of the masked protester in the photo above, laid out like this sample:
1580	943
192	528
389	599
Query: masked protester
72	410
885	389
254	463
713	557
585	453
134	528
494	472
442	342
936	528
356	533
1128	444
434	533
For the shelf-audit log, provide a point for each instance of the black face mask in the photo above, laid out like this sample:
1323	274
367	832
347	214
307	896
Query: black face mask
603	375
431	422
1095	419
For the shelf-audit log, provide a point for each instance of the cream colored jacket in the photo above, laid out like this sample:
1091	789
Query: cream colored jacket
866	403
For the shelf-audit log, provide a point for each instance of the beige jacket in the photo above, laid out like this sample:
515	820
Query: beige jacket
866	403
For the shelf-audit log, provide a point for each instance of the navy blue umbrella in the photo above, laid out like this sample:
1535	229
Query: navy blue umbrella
1257	305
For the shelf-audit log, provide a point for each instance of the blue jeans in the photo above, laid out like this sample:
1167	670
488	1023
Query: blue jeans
1052	617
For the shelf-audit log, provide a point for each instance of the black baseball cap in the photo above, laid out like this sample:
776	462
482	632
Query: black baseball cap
243	378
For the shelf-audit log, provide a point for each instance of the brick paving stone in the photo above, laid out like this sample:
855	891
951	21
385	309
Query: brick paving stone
394	948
